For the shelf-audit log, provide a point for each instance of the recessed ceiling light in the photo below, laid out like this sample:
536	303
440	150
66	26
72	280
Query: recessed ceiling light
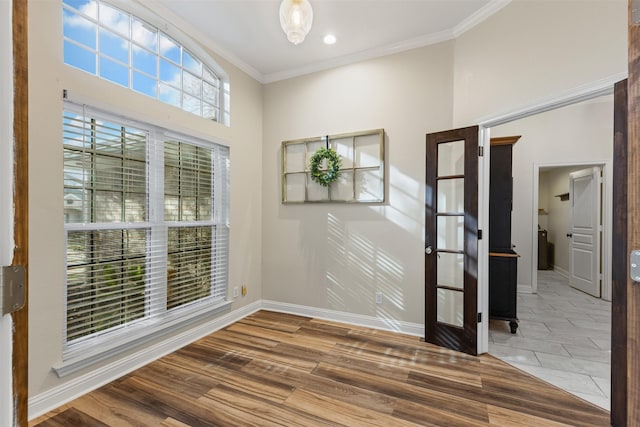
329	39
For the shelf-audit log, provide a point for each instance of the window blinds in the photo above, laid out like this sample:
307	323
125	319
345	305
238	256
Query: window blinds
196	245
105	177
128	263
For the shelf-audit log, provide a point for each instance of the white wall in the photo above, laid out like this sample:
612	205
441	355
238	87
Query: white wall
559	215
6	204
531	50
337	257
580	133
48	77
332	256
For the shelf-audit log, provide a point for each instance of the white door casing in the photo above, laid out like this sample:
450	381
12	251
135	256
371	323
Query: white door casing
586	92
585	223
6	204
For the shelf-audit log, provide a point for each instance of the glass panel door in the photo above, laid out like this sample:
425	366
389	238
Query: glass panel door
451	246
450	230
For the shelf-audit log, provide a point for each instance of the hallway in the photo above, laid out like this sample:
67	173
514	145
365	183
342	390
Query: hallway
564	338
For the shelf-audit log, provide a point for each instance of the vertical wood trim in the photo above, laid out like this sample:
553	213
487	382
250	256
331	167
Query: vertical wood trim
471	161
633	224
430	273
619	257
21	203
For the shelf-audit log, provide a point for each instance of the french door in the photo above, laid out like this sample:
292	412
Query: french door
451	239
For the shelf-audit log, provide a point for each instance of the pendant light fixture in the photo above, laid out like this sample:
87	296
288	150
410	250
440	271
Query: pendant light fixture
296	17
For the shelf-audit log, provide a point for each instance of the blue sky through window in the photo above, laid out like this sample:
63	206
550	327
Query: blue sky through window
116	46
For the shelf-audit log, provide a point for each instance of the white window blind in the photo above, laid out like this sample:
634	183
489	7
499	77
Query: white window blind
196	242
105	188
146	219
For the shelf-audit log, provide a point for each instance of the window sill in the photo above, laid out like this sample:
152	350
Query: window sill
91	352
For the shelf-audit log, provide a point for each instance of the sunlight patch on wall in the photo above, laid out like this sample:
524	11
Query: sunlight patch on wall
358	268
405	208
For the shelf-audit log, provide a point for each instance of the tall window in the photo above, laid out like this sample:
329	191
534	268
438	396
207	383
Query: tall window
105	183
146	219
188	195
117	46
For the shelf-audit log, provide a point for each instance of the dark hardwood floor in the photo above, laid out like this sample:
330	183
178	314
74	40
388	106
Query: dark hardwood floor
273	369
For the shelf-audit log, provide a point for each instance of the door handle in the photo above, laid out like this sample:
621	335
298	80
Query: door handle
428	250
569	235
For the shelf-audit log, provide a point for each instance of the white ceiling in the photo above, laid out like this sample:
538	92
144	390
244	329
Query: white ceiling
248	33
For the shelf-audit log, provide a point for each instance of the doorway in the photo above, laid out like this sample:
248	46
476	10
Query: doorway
576	136
557	213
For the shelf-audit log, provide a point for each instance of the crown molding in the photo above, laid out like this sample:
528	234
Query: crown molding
480	16
360	56
170	19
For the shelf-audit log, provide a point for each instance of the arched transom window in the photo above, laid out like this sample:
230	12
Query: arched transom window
122	48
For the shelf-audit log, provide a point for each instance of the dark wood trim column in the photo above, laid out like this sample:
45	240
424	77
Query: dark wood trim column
619	256
633	221
21	202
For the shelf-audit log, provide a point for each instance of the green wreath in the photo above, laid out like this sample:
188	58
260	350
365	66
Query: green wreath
325	177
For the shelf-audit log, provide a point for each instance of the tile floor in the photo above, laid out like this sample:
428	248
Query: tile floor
564	338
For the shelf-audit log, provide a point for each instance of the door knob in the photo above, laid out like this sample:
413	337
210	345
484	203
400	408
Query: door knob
428	250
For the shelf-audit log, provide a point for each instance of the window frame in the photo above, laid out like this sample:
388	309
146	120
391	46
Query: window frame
86	350
161	26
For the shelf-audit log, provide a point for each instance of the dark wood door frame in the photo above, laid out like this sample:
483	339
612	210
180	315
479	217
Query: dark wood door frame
633	222
21	203
619	260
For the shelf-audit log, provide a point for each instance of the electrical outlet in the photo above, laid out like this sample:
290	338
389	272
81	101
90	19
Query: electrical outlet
378	297
244	290
235	292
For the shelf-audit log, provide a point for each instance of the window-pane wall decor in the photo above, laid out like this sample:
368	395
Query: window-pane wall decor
361	172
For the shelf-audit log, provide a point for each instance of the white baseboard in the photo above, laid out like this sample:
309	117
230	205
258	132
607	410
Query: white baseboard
525	289
561	271
344	317
72	389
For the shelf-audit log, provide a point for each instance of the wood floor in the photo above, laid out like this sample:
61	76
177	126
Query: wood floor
273	369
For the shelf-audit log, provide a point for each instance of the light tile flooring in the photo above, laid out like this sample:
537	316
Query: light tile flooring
564	338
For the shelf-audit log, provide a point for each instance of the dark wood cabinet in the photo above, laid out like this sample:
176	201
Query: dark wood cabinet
503	272
503	261
500	197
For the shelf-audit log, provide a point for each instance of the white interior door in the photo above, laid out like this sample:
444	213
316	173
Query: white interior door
584	257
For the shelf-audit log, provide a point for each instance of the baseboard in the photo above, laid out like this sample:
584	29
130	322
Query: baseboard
525	289
72	389
564	273
57	396
344	317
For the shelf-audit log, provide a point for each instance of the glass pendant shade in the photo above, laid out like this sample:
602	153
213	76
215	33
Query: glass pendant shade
296	17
